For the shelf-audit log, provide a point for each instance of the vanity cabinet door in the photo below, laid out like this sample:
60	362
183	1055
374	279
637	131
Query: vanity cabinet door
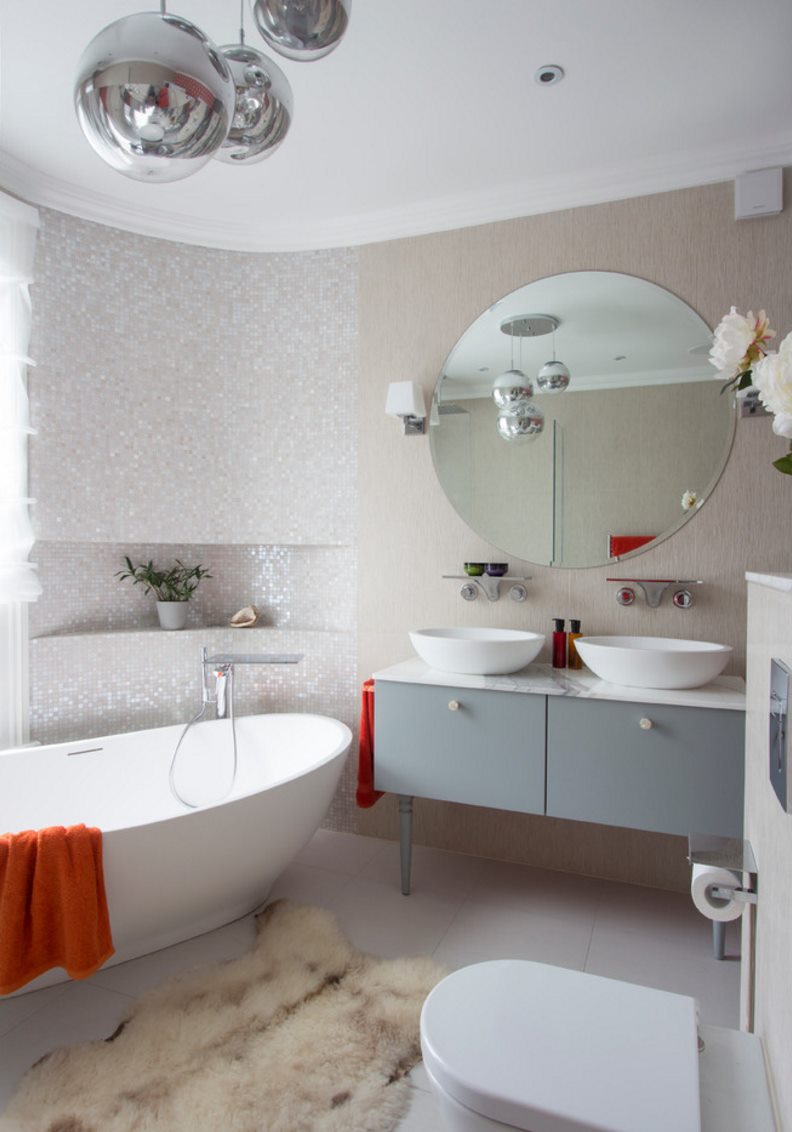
684	773
487	751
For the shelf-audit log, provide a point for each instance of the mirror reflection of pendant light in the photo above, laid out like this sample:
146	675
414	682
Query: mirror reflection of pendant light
512	387
554	376
263	107
154	97
525	422
518	418
302	29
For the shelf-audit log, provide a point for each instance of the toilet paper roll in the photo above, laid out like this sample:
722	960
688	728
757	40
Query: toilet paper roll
702	881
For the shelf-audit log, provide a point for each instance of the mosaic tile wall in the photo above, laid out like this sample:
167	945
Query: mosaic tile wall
191	395
198	404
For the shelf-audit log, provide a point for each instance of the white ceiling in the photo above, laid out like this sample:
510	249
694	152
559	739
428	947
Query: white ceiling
427	117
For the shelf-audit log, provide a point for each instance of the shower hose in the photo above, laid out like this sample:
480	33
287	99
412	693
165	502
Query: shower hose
197	719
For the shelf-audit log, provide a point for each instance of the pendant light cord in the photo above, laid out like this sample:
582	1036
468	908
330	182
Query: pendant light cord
242	22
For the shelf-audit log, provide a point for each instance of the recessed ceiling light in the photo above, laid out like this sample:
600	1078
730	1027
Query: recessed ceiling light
620	358
549	74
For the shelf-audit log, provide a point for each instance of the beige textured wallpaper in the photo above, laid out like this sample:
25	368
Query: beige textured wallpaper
416	297
769	829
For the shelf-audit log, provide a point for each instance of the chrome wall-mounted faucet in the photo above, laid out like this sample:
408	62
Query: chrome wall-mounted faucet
490	586
653	590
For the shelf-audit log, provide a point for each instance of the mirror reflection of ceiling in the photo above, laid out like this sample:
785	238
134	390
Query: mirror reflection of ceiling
629	451
613	330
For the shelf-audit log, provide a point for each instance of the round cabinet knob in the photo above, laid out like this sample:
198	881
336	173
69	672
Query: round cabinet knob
453	705
645	724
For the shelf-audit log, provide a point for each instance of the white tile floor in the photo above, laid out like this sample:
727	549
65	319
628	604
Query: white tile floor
461	910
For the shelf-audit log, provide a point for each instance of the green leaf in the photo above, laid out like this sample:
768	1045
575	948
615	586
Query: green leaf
174	584
739	381
784	464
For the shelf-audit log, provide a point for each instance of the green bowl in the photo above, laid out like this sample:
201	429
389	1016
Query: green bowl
474	569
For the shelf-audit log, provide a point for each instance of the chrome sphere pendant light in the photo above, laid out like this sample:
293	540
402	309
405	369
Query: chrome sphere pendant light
302	29
154	96
263	106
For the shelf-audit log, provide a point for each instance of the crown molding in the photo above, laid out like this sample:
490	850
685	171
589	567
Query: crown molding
684	169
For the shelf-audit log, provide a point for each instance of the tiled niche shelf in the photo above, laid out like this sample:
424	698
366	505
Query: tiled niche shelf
189	630
287	584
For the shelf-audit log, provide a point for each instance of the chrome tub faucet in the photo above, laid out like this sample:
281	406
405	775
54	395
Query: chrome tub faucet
217	676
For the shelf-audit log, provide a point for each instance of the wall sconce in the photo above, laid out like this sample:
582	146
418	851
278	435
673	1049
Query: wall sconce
406	400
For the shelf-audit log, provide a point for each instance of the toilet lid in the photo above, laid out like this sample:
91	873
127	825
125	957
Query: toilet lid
551	1050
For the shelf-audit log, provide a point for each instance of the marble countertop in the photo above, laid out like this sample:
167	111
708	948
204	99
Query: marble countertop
543	680
772	581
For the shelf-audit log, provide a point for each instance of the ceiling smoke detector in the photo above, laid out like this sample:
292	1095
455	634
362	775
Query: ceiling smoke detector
549	74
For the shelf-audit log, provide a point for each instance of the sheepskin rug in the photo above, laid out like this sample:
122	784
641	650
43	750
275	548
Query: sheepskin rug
302	1034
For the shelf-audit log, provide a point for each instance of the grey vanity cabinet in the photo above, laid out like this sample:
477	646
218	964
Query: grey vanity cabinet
665	768
659	767
480	747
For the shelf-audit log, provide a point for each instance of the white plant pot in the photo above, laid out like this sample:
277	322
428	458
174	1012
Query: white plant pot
172	614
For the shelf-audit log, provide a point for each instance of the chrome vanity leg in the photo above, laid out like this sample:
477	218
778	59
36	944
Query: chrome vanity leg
719	938
405	840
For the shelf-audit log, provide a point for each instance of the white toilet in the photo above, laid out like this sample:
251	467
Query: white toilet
513	1044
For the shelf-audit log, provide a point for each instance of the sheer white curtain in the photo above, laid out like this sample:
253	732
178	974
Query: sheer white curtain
18	580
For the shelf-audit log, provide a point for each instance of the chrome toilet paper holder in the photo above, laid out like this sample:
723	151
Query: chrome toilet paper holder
731	853
741	895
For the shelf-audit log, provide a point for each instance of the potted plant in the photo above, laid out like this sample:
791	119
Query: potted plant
173	588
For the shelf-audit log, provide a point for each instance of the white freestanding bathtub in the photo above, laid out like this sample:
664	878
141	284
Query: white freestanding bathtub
173	872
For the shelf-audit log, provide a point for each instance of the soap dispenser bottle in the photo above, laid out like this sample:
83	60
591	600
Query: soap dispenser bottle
559	643
573	656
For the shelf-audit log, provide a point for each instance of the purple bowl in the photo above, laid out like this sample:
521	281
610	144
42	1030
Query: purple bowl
497	569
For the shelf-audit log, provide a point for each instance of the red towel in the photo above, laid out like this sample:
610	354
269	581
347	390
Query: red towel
623	544
53	908
366	794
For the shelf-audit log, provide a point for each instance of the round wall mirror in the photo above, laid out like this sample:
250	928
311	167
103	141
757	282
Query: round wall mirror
578	420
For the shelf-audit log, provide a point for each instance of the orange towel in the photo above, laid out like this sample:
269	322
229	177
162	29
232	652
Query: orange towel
366	795
53	909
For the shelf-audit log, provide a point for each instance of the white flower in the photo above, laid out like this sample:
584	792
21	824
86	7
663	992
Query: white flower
690	500
782	425
772	377
738	342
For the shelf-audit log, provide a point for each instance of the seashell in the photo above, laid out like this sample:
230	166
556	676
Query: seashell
245	618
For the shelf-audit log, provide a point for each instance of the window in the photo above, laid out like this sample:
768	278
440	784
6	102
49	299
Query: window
19	583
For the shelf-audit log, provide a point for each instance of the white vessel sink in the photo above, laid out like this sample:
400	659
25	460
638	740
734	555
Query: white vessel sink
653	662
480	652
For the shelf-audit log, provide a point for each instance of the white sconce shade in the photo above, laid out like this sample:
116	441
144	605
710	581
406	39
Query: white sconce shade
405	399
